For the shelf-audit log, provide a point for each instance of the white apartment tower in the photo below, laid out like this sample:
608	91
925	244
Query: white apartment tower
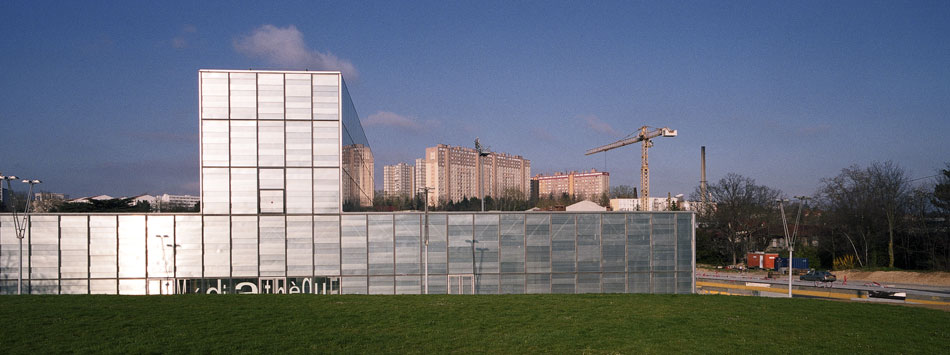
398	180
419	175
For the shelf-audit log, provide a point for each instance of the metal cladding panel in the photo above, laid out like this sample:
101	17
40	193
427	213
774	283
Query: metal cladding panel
375	253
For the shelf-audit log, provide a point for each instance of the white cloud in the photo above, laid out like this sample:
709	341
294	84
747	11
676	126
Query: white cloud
386	118
543	134
181	41
814	129
286	47
599	126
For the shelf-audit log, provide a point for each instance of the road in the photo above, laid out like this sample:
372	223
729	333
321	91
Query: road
923	290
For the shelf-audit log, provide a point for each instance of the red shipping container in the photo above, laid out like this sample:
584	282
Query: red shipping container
761	260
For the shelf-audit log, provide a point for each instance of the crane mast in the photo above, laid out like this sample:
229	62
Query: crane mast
645	138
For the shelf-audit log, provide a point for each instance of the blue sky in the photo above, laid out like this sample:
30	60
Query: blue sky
101	97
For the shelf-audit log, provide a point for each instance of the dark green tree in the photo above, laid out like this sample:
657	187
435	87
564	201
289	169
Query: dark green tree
112	205
623	191
604	200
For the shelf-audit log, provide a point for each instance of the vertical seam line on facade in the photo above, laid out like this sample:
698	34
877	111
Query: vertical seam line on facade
88	255
59	257
146	256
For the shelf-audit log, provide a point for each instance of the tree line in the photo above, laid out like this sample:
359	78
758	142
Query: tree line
510	200
873	216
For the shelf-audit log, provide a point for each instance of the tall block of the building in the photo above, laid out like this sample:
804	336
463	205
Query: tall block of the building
398	180
454	173
419	176
280	142
587	185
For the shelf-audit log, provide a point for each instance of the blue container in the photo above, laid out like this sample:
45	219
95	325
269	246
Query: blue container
797	263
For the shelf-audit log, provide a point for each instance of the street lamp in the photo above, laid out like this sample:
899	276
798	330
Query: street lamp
482	151
804	201
474	273
21	227
425	256
790	240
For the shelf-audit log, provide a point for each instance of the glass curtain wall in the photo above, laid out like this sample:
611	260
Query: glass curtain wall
271	142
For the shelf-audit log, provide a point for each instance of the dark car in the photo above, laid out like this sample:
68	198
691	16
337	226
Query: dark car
822	276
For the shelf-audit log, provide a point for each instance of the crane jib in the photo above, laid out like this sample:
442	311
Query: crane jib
645	137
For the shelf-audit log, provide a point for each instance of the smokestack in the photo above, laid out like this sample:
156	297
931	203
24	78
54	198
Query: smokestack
702	178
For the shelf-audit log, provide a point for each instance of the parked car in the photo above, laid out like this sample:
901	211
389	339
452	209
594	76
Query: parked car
822	276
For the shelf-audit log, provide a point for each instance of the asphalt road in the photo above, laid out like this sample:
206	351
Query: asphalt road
925	290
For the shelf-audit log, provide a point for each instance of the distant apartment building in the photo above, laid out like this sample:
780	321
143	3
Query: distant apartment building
43	196
178	200
655	204
453	173
587	185
358	174
398	180
419	176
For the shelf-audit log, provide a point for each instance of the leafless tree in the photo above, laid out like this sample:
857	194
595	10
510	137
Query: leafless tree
866	203
739	213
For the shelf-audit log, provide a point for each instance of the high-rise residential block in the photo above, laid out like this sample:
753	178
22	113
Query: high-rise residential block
587	185
419	177
453	174
399	180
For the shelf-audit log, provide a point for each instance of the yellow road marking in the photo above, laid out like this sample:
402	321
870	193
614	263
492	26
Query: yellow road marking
824	294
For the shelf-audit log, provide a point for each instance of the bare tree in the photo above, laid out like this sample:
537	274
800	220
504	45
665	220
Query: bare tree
941	200
859	199
739	213
847	202
891	189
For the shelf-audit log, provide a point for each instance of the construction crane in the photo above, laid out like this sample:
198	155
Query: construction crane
645	138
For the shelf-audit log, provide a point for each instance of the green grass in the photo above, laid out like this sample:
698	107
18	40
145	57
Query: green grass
464	324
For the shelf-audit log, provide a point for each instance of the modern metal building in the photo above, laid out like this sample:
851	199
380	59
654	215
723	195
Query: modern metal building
283	155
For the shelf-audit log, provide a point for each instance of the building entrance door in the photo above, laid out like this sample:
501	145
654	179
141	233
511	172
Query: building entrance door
461	284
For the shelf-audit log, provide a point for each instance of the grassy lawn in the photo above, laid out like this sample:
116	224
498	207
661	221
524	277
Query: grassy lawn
464	324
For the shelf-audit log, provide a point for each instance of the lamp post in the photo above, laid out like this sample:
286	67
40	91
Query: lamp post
425	256
482	151
26	224
804	201
788	243
21	227
474	273
790	240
